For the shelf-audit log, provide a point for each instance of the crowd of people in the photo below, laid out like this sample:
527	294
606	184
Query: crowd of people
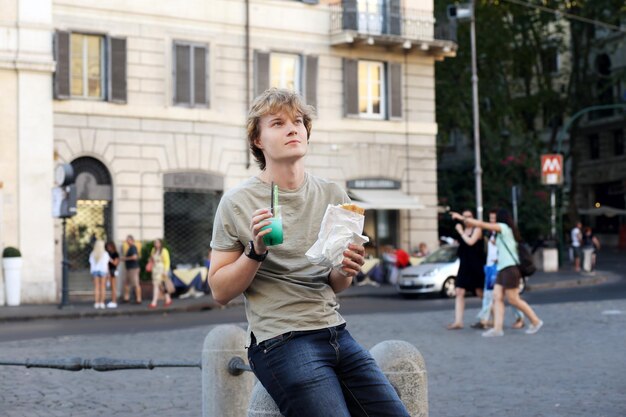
493	275
105	259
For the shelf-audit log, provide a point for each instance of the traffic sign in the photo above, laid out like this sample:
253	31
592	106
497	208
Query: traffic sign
552	169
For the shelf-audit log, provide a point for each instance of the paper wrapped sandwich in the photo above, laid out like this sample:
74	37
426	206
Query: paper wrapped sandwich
342	224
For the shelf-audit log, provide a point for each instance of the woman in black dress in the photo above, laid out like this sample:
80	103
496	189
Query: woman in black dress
471	276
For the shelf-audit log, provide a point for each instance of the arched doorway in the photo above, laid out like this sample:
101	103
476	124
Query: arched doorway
93	220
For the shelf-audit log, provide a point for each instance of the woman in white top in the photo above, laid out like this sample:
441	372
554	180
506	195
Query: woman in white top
99	268
507	281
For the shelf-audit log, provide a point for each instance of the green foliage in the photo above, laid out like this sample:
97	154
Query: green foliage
11	252
521	99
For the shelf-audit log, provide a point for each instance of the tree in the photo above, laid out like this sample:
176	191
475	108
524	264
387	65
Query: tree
523	99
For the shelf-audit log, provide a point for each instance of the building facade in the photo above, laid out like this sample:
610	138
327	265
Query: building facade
147	102
599	143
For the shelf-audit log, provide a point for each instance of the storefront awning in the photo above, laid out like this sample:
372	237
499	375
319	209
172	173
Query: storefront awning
384	200
603	211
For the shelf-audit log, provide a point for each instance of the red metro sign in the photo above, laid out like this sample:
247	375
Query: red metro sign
552	169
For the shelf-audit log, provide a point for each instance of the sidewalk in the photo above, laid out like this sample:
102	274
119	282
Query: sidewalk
539	281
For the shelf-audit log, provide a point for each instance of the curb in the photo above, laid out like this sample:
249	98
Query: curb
85	312
576	282
60	314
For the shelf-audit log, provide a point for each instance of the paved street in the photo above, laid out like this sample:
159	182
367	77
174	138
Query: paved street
573	367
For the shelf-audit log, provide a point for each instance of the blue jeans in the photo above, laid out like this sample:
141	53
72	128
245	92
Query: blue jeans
323	373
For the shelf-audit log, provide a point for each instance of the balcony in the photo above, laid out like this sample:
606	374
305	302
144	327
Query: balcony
387	23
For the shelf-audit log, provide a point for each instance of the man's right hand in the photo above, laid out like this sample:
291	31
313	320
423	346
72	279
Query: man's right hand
260	220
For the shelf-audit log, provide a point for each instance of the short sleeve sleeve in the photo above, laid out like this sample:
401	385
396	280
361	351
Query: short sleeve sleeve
225	235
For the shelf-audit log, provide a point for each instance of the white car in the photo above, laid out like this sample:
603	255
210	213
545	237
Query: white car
436	273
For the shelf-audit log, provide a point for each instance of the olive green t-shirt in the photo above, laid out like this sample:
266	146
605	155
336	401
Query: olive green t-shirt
288	292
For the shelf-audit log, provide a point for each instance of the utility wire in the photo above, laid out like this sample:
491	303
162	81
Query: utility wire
568	15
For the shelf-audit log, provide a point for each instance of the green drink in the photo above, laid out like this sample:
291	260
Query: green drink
275	237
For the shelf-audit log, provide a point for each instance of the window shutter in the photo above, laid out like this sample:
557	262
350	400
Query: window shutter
261	72
349	17
62	71
310	83
351	87
199	75
182	83
395	18
117	70
395	91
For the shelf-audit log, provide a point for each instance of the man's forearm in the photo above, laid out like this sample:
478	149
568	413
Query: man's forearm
232	280
338	281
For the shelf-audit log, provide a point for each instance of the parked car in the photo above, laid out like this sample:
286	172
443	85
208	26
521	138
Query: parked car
435	274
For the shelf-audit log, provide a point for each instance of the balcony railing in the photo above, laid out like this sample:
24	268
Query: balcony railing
387	19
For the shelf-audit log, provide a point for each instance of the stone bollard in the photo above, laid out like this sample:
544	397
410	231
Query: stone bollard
223	394
261	404
550	259
404	366
400	361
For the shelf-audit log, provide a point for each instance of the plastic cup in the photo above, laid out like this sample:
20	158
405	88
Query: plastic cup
275	237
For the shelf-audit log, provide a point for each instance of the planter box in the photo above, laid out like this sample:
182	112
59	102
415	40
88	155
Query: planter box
12	280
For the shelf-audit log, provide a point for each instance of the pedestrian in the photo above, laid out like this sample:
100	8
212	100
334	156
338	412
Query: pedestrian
422	250
131	277
576	236
491	272
591	242
98	267
471	275
389	263
509	275
403	259
160	267
114	260
298	344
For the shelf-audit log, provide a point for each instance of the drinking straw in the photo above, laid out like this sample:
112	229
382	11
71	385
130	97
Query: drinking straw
272	199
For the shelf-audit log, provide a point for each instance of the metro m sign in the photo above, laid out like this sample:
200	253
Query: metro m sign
552	169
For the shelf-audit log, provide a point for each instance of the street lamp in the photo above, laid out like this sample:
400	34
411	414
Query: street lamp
464	12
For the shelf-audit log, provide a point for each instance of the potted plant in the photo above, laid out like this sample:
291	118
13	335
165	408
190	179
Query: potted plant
12	265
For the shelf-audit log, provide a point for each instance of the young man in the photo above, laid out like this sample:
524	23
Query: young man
131	278
577	237
298	344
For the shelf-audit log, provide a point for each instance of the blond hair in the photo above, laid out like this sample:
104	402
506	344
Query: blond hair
273	101
98	250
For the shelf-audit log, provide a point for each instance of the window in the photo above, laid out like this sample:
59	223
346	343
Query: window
190	74
89	66
372	89
285	71
86	66
371	76
594	147
618	142
370	16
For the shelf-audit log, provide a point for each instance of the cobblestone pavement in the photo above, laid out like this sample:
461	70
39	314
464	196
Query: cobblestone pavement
575	366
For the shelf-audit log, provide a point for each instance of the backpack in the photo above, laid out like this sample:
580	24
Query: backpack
526	265
525	262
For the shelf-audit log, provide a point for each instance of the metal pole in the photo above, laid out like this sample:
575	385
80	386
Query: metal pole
478	170
514	201
65	264
553	213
